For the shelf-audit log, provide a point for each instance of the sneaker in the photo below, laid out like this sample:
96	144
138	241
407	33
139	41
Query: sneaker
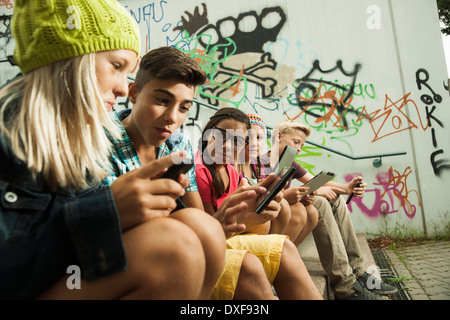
374	285
361	293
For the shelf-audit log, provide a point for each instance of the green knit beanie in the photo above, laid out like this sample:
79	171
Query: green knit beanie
51	30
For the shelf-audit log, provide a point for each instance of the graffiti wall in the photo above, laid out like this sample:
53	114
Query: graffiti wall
369	77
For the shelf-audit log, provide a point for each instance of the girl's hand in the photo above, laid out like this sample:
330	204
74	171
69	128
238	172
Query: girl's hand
234	205
237	212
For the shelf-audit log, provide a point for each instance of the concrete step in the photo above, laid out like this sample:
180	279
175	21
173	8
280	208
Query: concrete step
310	256
308	251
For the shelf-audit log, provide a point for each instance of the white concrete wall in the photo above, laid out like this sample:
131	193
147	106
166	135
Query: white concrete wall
367	75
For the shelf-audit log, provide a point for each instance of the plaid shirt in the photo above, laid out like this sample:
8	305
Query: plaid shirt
124	157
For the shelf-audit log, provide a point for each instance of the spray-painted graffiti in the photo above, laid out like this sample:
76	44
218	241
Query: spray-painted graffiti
6	3
392	118
232	88
149	14
5	36
391	194
325	100
8	70
231	51
329	104
431	99
152	19
249	31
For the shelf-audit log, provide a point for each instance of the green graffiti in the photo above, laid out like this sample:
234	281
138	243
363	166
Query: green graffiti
208	59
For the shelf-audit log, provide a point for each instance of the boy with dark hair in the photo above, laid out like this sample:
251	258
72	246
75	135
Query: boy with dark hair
151	132
161	97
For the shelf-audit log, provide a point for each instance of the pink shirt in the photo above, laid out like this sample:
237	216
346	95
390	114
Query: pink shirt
205	185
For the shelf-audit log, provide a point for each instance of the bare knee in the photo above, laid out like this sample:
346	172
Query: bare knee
209	231
290	257
285	212
298	214
252	282
312	215
163	257
204	225
212	238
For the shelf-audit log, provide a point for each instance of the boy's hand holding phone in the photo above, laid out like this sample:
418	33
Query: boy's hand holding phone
140	195
357	187
177	172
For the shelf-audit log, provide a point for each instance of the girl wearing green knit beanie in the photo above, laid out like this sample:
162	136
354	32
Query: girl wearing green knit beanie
60	235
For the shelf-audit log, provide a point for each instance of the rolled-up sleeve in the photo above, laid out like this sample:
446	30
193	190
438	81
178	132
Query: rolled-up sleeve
94	227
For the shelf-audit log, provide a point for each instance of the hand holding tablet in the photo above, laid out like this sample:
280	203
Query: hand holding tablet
318	181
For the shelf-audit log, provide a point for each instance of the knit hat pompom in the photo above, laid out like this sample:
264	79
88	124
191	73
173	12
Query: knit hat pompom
47	31
257	120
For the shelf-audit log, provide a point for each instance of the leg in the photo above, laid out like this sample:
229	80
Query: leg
282	264
165	260
331	249
279	225
243	278
345	225
311	222
252	283
212	237
298	220
293	281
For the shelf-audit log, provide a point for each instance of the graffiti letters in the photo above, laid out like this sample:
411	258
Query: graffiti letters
5	35
231	52
392	193
431	99
328	103
392	118
6	3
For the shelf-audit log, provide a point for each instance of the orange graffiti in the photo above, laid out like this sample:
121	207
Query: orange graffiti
394	184
6	3
331	102
392	118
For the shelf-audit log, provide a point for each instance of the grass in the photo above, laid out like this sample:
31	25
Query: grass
399	279
400	236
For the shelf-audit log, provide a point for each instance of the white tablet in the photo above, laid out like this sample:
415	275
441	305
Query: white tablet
286	158
318	181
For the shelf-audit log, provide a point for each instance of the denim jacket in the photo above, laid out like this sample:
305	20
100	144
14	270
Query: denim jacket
42	233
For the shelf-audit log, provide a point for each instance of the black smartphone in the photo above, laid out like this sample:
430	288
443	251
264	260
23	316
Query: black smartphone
277	185
172	173
175	170
351	196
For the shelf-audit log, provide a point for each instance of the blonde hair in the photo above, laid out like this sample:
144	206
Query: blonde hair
287	126
54	120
